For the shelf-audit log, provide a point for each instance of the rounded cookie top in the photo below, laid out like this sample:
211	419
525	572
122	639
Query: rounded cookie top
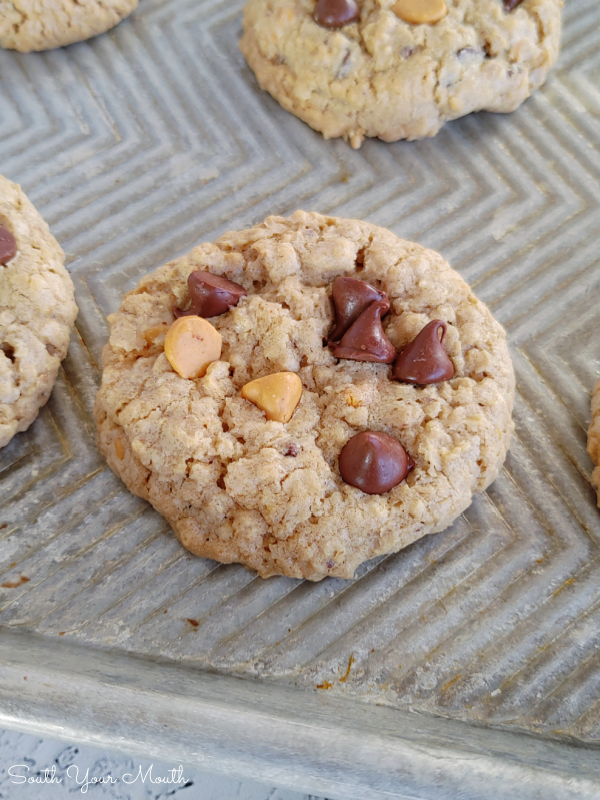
593	442
382	76
237	487
27	25
37	311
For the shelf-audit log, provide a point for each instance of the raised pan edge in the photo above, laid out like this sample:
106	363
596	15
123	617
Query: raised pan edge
345	750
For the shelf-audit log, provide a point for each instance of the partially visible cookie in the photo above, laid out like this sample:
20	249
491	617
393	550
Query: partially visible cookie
27	25
255	436
593	445
384	74
37	311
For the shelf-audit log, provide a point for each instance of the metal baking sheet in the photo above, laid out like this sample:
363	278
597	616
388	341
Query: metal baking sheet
466	662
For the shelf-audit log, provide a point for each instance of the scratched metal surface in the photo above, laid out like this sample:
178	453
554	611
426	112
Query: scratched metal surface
144	142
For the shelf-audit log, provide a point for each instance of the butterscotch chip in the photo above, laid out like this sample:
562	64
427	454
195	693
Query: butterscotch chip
237	487
37	312
191	345
419	12
277	395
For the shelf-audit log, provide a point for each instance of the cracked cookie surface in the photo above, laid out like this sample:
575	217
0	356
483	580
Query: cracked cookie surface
593	442
238	488
384	77
27	25
37	311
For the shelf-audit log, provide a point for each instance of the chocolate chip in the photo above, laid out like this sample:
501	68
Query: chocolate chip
510	4
350	298
211	295
8	350
374	462
8	246
292	450
365	340
336	13
424	360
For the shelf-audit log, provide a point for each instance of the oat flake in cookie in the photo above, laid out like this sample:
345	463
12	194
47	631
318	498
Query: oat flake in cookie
239	487
37	311
27	25
405	67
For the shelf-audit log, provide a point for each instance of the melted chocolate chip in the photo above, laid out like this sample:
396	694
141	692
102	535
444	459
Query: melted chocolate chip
374	462
8	246
510	4
366	340
424	360
211	295
350	298
336	13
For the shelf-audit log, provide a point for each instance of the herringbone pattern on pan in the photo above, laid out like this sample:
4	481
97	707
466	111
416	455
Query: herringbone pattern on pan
144	142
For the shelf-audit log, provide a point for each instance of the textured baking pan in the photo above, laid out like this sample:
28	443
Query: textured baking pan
471	660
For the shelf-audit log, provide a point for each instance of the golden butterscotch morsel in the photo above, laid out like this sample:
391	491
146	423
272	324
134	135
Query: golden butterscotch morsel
277	395
419	12
191	345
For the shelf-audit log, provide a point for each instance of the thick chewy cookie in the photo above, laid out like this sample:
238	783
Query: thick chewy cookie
37	311
27	25
237	487
593	446
383	76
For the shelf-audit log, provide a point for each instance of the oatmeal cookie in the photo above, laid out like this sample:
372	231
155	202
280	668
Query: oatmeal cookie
593	444
384	76
37	311
236	484
27	25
